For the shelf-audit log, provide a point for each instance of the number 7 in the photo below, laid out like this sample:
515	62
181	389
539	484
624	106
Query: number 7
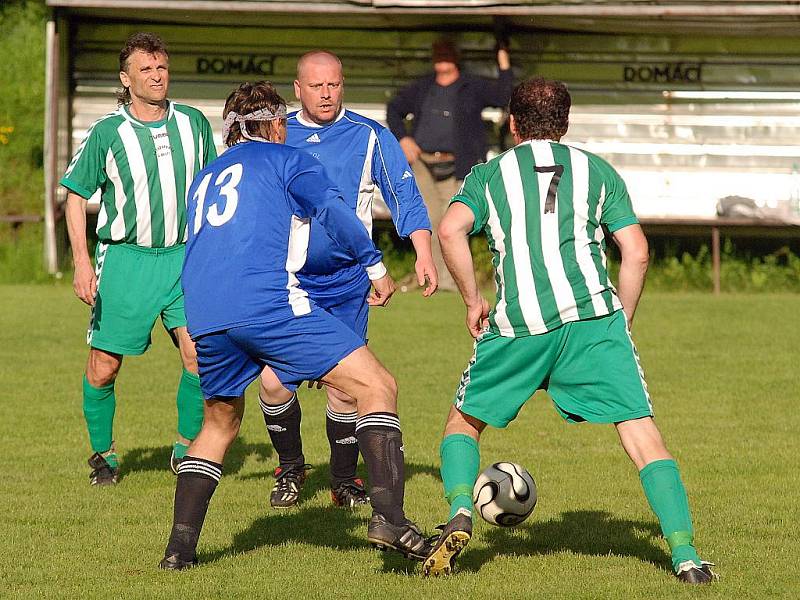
557	171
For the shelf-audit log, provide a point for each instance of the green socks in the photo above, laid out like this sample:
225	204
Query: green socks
461	460
98	410
664	489
190	406
99	405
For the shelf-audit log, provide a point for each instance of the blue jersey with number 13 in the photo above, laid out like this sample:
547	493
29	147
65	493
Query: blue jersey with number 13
248	219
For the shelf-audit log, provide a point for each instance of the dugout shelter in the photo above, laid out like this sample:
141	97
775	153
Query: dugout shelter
691	101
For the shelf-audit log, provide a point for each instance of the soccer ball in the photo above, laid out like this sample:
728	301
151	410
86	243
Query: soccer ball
504	494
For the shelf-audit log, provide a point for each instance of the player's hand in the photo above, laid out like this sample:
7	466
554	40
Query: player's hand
84	282
477	317
426	272
410	149
382	290
312	383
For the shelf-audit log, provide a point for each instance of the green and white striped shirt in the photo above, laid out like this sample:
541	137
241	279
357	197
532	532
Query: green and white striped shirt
143	171
541	205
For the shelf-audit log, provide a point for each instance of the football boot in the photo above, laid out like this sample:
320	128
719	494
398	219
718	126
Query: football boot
350	494
453	539
406	539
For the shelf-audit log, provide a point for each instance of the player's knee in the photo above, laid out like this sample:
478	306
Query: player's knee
339	401
102	368
386	388
274	394
458	422
223	421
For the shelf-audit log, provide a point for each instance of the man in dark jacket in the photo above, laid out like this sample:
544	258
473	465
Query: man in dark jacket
447	134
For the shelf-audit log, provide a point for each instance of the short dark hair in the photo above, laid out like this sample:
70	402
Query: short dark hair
149	43
248	98
541	109
444	49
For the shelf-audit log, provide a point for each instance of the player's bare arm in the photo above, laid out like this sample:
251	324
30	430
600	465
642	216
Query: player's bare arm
633	268
503	59
84	281
454	239
424	266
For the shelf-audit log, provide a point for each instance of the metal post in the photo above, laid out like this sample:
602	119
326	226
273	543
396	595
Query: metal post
715	259
50	146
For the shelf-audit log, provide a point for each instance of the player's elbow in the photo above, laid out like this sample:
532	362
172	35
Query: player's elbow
448	231
637	254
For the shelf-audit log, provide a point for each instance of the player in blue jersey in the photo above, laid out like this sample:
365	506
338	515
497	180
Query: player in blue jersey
249	215
360	156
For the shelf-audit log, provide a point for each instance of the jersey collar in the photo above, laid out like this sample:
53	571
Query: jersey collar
152	124
306	123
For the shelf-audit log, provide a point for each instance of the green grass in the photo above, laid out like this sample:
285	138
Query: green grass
722	372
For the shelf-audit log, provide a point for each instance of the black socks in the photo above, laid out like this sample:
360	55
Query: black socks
197	480
341	429
283	426
381	444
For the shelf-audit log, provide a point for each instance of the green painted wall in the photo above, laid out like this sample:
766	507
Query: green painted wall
206	61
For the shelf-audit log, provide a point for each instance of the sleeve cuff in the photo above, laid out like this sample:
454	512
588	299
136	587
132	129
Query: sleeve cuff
76	188
476	212
623	222
376	271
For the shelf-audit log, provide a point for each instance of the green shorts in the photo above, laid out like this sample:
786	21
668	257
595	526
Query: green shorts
135	285
590	369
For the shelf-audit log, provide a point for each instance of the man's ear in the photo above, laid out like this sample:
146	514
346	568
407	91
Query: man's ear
124	79
512	126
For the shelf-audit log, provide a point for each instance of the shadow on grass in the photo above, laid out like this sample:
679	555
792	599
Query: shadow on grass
156	458
593	533
326	527
318	477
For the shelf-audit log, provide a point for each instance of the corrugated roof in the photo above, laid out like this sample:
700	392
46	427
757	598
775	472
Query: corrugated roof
718	16
597	8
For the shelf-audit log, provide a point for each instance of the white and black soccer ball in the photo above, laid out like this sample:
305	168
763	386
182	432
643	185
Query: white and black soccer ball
504	494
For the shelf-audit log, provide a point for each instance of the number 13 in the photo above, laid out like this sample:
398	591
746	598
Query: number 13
228	189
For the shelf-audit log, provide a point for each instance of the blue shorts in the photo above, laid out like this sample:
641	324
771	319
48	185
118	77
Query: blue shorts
300	349
347	301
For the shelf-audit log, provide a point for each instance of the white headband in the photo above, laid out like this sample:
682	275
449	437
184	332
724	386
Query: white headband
263	114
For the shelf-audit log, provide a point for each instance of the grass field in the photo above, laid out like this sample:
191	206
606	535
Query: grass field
722	372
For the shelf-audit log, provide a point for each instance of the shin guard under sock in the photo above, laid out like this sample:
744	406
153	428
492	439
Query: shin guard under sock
283	426
99	404
381	443
190	405
666	494
341	430
461	460
196	482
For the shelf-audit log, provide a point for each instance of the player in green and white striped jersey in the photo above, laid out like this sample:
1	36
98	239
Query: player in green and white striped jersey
558	323
141	159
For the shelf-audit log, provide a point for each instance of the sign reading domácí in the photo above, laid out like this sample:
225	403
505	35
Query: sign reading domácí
664	73
240	65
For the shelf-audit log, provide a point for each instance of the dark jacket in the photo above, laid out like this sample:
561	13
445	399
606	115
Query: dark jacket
475	93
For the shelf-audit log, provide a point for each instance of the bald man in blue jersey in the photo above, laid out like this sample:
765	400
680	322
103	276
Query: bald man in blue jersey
249	216
360	156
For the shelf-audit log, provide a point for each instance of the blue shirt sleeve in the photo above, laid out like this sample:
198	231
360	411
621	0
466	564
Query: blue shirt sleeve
312	194
393	175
